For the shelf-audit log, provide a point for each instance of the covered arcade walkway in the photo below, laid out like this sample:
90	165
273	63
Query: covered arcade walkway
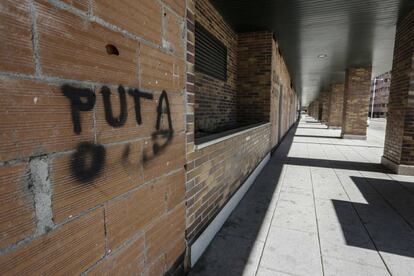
322	206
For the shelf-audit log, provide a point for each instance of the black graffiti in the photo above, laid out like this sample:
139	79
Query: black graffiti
168	133
88	161
161	137
81	99
125	154
137	95
110	119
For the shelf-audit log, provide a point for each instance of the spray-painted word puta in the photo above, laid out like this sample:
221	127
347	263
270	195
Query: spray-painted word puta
84	99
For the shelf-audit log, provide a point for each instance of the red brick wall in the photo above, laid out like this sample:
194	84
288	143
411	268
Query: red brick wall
356	101
93	151
336	104
281	91
214	171
288	112
399	145
254	77
216	103
88	184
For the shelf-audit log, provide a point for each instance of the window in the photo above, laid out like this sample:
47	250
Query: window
210	54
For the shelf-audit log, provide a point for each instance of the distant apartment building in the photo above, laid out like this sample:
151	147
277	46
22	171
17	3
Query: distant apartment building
382	92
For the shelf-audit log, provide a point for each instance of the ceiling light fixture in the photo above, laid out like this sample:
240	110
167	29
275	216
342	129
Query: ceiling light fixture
322	56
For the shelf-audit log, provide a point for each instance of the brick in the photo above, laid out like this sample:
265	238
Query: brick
325	100
283	97
356	101
179	74
177	5
131	129
216	100
166	263
16	51
190	138
172	157
214	182
140	17
161	71
69	249
17	210
190	13
336	104
399	143
191	5
120	173
127	261
190	45
176	189
127	216
174	33
254	74
164	234
156	267
79	52
36	119
174	253
79	4
315	109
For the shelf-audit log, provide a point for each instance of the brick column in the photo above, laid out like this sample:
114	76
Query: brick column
311	109
314	107
399	138
315	110
325	99
356	102
336	104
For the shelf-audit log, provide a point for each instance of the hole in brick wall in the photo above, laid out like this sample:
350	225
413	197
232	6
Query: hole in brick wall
165	14
111	50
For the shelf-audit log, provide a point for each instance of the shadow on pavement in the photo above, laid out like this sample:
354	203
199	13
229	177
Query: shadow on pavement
388	216
318	136
242	235
337	164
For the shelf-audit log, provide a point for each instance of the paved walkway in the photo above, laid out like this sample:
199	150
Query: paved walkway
322	206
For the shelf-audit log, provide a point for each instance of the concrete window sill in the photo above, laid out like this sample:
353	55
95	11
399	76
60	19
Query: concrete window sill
209	140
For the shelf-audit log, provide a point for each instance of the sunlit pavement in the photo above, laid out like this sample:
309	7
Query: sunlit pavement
322	206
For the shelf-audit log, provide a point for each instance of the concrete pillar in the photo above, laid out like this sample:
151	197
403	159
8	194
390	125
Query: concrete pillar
325	99
356	102
336	104
399	138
